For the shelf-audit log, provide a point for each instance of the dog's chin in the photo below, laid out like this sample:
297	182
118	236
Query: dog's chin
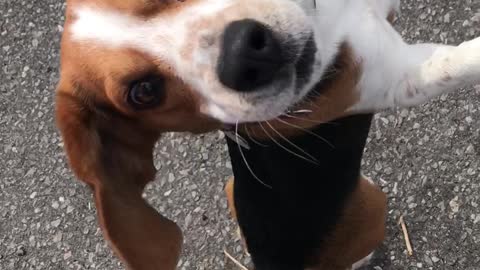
299	106
268	108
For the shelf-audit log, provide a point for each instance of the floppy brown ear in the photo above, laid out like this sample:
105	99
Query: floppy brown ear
113	155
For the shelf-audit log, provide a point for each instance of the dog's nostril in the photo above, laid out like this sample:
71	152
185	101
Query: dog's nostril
258	40
251	56
251	75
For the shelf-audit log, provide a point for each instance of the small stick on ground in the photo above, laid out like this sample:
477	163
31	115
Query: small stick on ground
401	222
234	260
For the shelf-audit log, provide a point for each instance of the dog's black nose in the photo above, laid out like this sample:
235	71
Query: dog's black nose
250	56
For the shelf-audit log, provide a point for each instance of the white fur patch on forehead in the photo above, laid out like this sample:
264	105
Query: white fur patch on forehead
115	29
109	28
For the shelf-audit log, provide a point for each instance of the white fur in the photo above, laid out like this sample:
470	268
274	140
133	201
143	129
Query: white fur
402	75
368	179
394	73
363	262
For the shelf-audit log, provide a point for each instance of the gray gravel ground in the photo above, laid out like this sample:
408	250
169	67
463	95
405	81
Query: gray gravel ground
426	159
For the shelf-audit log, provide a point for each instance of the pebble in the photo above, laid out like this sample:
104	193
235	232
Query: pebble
477	219
21	251
56	223
67	255
33	195
454	205
446	18
58	237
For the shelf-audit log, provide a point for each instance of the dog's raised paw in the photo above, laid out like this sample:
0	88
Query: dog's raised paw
467	57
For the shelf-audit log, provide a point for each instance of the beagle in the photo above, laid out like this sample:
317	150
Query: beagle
134	69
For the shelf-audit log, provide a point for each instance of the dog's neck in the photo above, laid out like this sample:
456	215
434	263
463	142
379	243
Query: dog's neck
296	203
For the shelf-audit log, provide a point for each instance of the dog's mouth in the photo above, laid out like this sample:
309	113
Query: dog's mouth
304	114
305	63
303	71
299	117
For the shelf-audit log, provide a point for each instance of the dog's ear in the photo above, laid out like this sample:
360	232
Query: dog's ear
113	155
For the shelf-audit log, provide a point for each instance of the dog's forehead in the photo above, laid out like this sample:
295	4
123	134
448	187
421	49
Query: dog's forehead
136	7
117	28
163	36
113	28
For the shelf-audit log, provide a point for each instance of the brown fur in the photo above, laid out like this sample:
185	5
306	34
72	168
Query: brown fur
231	207
230	197
117	163
360	231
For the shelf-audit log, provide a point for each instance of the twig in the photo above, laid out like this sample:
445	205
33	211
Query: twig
234	260
401	222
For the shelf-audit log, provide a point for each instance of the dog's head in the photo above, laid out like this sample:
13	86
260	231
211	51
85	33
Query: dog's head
235	61
132	69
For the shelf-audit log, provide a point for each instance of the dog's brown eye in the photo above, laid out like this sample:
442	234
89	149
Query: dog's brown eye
146	94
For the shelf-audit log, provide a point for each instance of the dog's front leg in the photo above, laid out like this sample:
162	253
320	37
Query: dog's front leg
440	69
422	72
385	8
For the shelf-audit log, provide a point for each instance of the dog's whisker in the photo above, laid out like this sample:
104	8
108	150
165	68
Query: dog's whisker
246	162
307	131
303	111
310	158
285	148
311	101
312	97
299	111
308	120
238	139
252	139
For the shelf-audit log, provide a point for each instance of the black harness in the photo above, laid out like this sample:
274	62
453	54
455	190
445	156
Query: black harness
286	218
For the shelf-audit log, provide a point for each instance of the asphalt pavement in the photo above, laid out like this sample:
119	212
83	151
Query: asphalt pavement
426	159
